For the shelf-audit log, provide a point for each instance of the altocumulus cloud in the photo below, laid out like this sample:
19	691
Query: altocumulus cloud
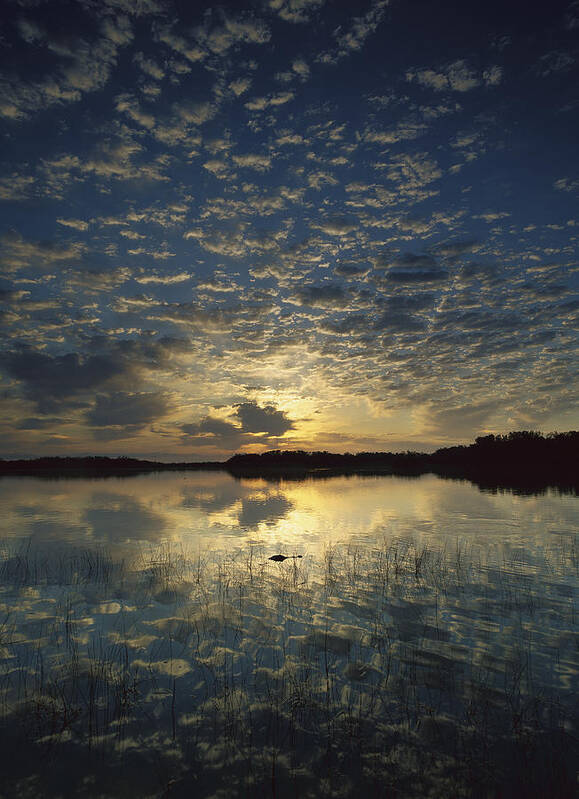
329	201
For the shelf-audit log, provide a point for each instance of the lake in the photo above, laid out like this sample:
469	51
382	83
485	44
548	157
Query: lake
424	644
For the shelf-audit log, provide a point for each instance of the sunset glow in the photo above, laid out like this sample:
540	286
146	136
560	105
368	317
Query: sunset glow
295	224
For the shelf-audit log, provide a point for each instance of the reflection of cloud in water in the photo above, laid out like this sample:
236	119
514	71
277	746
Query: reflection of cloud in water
359	668
202	508
239	503
213	499
268	510
116	519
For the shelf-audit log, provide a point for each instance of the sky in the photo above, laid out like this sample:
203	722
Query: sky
285	224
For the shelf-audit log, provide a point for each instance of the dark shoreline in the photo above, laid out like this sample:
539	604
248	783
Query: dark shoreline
523	461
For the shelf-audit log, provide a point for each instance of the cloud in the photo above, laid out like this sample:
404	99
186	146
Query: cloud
260	163
566	184
406	130
251	424
16	187
209	319
395	321
351	271
146	277
457	76
114	158
71	379
414	268
97	280
223	242
493	75
85	66
270	101
137	8
130	410
189	50
12	296
233	31
217	39
129	105
297	11
336	225
161	253
353	39
301	68
319	178
288	138
211	431
413	173
76	224
239	86
464	420
197	113
149	67
20	254
326	296
39	422
363	26
346	326
52	380
554	61
456	249
267	419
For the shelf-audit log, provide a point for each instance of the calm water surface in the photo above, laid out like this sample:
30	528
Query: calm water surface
424	644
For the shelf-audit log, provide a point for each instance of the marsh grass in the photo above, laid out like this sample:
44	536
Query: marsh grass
399	670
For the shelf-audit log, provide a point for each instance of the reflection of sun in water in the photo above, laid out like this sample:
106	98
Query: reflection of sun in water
211	511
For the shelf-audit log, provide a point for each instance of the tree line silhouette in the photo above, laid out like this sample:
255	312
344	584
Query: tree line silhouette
522	460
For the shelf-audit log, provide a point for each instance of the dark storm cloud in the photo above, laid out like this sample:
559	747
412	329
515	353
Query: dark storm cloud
417	276
414	261
255	419
351	271
412	268
13	296
349	324
126	409
215	433
400	322
330	295
55	381
49	378
210	426
251	423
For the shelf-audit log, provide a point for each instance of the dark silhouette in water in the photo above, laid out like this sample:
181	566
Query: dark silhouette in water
523	461
279	558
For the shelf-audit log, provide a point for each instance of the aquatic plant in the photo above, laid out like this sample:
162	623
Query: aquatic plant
394	669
